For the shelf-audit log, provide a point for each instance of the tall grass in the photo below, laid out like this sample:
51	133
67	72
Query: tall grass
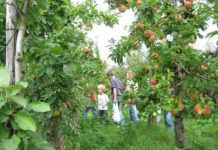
140	136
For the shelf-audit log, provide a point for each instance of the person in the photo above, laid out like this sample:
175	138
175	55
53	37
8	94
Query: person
116	92
90	104
131	86
168	121
102	103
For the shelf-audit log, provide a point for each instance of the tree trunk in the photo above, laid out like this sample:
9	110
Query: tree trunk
180	137
11	19
19	42
179	130
55	135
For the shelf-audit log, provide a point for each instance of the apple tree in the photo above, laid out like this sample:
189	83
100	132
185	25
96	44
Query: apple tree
168	29
61	64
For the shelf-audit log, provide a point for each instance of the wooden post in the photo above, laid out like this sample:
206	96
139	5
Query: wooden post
11	19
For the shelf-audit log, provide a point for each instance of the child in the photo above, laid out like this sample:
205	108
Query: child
102	102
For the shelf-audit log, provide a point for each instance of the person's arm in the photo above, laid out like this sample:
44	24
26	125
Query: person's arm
115	94
127	88
107	99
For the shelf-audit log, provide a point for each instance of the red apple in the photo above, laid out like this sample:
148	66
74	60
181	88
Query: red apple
181	106
206	111
155	67
154	9
188	3
204	68
174	112
93	97
86	50
197	107
178	18
147	33
147	68
122	8
162	37
153	82
139	26
152	38
67	102
138	2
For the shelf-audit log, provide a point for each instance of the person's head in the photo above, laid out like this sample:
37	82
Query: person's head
110	74
129	74
101	88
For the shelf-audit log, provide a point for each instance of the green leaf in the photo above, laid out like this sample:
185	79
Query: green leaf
19	100
2	103
14	125
23	84
69	69
25	121
39	106
22	134
38	141
7	110
4	133
12	144
3	118
12	90
5	77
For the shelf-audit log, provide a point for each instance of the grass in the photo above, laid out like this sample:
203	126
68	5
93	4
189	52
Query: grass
128	137
97	136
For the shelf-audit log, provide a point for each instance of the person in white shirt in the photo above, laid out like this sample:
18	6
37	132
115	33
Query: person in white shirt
102	103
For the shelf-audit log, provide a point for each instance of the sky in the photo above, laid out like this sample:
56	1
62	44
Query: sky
101	34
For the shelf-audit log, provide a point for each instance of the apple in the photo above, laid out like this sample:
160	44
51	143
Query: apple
155	67
178	18
147	68
122	8
130	101
139	26
174	112
206	111
153	82
147	33
197	107
154	9
94	73
188	3
86	50
152	38
193	96
93	97
204	68
56	113
181	106
138	2
154	114
67	102
162	37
